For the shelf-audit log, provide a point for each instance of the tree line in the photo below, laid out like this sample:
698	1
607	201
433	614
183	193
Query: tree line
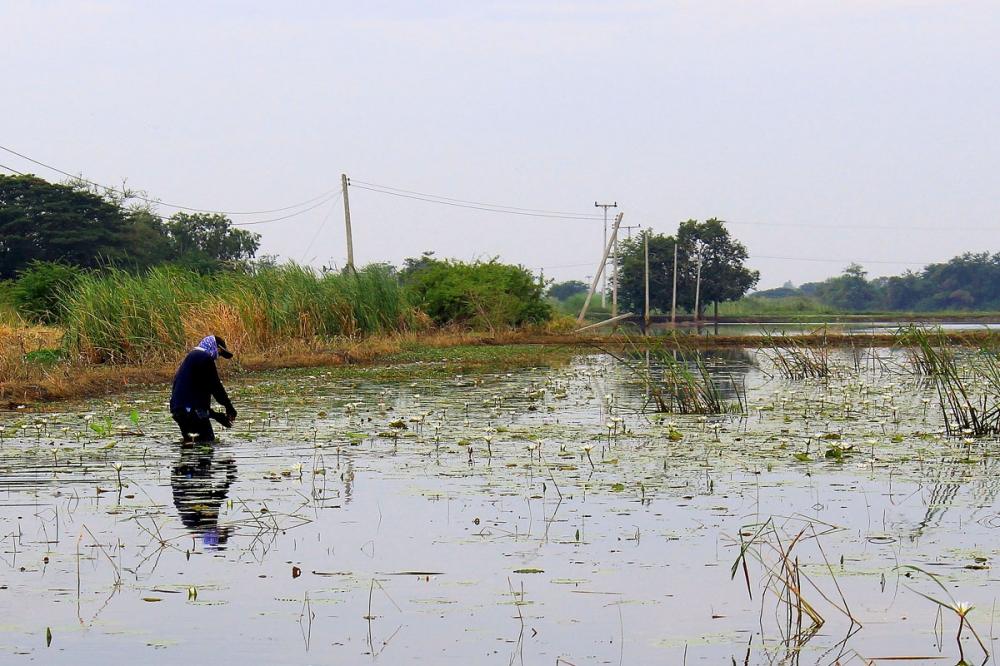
72	224
970	281
53	236
723	275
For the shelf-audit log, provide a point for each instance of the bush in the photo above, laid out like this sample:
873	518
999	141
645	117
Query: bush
39	290
481	294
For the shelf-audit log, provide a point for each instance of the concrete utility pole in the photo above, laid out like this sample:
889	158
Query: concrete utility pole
614	279
673	300
604	287
645	243
347	222
697	290
628	230
600	268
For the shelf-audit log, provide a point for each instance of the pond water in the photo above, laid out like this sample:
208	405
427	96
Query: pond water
540	515
798	327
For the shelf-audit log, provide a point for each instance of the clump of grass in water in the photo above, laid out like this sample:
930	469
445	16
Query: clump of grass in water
957	380
682	382
796	360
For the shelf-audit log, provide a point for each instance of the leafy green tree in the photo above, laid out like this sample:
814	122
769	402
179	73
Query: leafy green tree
849	291
631	260
209	238
563	290
42	221
724	276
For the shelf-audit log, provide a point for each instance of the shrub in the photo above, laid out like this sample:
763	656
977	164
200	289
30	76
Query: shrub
481	294
40	288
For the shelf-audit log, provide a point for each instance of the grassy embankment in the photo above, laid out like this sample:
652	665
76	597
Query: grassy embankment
120	330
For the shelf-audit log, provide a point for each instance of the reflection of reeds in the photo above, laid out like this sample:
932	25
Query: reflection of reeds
794	359
968	385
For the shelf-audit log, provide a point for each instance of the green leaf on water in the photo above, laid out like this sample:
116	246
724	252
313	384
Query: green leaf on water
529	570
617	487
48	636
801	456
134	417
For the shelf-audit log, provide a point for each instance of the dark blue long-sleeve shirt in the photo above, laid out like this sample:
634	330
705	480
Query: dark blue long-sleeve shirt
196	381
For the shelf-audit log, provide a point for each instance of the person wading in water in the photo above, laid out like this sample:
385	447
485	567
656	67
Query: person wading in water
196	382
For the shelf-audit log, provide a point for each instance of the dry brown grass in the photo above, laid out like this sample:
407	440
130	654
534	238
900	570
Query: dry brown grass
33	383
23	382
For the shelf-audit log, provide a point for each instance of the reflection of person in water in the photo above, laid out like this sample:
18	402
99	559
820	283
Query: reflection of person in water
200	481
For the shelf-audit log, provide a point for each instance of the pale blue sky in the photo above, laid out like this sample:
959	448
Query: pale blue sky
824	115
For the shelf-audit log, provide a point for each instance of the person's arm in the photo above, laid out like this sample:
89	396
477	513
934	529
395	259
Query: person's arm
219	391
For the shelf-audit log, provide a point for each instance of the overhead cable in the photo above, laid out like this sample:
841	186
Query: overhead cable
474	203
164	203
485	208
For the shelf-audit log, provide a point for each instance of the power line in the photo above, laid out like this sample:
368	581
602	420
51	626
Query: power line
164	203
332	196
858	227
841	261
507	211
4	166
322	224
475	203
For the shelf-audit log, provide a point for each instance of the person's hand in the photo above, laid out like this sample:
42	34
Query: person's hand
224	419
231	414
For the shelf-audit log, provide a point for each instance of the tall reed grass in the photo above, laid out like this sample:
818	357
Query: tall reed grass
795	359
967	381
119	317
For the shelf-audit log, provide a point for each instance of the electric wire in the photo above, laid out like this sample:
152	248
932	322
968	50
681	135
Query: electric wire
290	215
475	203
487	209
326	218
4	166
164	203
841	261
857	227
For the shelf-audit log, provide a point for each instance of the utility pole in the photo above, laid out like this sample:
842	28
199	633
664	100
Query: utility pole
347	222
600	268
604	286
673	300
645	243
697	290
628	230
614	279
